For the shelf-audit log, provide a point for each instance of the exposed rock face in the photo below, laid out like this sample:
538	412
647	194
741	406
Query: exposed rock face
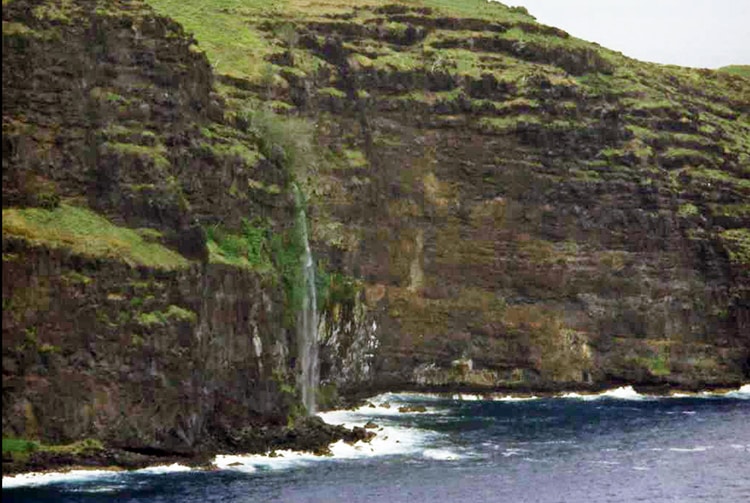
492	202
112	356
112	108
564	223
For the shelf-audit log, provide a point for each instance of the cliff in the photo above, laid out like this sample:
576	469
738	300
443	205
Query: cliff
492	203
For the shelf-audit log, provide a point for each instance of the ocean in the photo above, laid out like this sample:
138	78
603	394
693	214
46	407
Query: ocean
616	446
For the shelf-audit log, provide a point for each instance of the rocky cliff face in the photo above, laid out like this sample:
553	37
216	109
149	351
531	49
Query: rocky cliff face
493	203
131	311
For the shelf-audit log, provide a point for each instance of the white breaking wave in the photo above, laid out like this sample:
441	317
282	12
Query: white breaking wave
628	393
38	478
442	455
467	397
513	452
743	392
509	398
78	476
159	469
378	410
699	448
624	393
389	440
621	393
573	394
407	397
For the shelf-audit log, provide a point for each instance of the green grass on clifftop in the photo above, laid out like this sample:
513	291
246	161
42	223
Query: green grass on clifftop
742	70
87	233
228	30
233	47
20	449
19	445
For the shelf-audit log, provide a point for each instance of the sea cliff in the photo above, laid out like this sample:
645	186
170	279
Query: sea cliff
492	203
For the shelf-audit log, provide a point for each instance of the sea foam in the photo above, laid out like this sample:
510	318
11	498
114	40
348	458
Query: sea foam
390	439
80	476
44	478
743	392
442	455
621	393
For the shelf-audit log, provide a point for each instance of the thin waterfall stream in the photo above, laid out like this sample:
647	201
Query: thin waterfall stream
307	318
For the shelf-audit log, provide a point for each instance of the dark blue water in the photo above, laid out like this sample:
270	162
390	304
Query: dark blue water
546	450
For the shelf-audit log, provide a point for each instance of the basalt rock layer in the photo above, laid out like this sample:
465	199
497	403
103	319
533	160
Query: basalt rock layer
493	203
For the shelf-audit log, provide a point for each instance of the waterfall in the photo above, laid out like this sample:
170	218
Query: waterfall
307	317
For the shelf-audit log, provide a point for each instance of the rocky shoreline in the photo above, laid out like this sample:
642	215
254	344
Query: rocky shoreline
310	434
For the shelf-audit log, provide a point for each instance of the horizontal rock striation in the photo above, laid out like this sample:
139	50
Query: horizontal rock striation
493	203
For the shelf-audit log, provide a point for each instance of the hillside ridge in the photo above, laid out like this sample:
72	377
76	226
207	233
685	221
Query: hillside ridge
493	204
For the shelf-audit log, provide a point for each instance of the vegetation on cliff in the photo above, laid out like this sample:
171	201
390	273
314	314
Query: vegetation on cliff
493	203
662	145
86	233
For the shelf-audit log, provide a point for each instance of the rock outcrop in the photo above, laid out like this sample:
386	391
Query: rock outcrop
493	204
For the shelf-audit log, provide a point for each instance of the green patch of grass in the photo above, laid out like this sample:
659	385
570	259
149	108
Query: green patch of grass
730	210
642	132
178	313
58	12
659	365
355	158
11	29
233	46
150	235
335	288
155	318
399	61
159	318
47	349
19	445
18	448
87	233
650	105
155	154
737	244
361	60
332	91
507	124
479	9
76	278
290	141
459	61
233	149
287	250
716	175
249	249
689	156
741	70
688	210
121	134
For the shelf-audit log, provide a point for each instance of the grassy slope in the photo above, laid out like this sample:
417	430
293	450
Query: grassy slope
89	234
241	37
650	96
742	70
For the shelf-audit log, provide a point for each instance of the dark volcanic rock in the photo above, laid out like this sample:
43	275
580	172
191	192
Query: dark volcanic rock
492	203
307	434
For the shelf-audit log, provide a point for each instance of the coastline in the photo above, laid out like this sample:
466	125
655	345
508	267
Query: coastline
313	435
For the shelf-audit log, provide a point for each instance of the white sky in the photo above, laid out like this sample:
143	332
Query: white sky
699	33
